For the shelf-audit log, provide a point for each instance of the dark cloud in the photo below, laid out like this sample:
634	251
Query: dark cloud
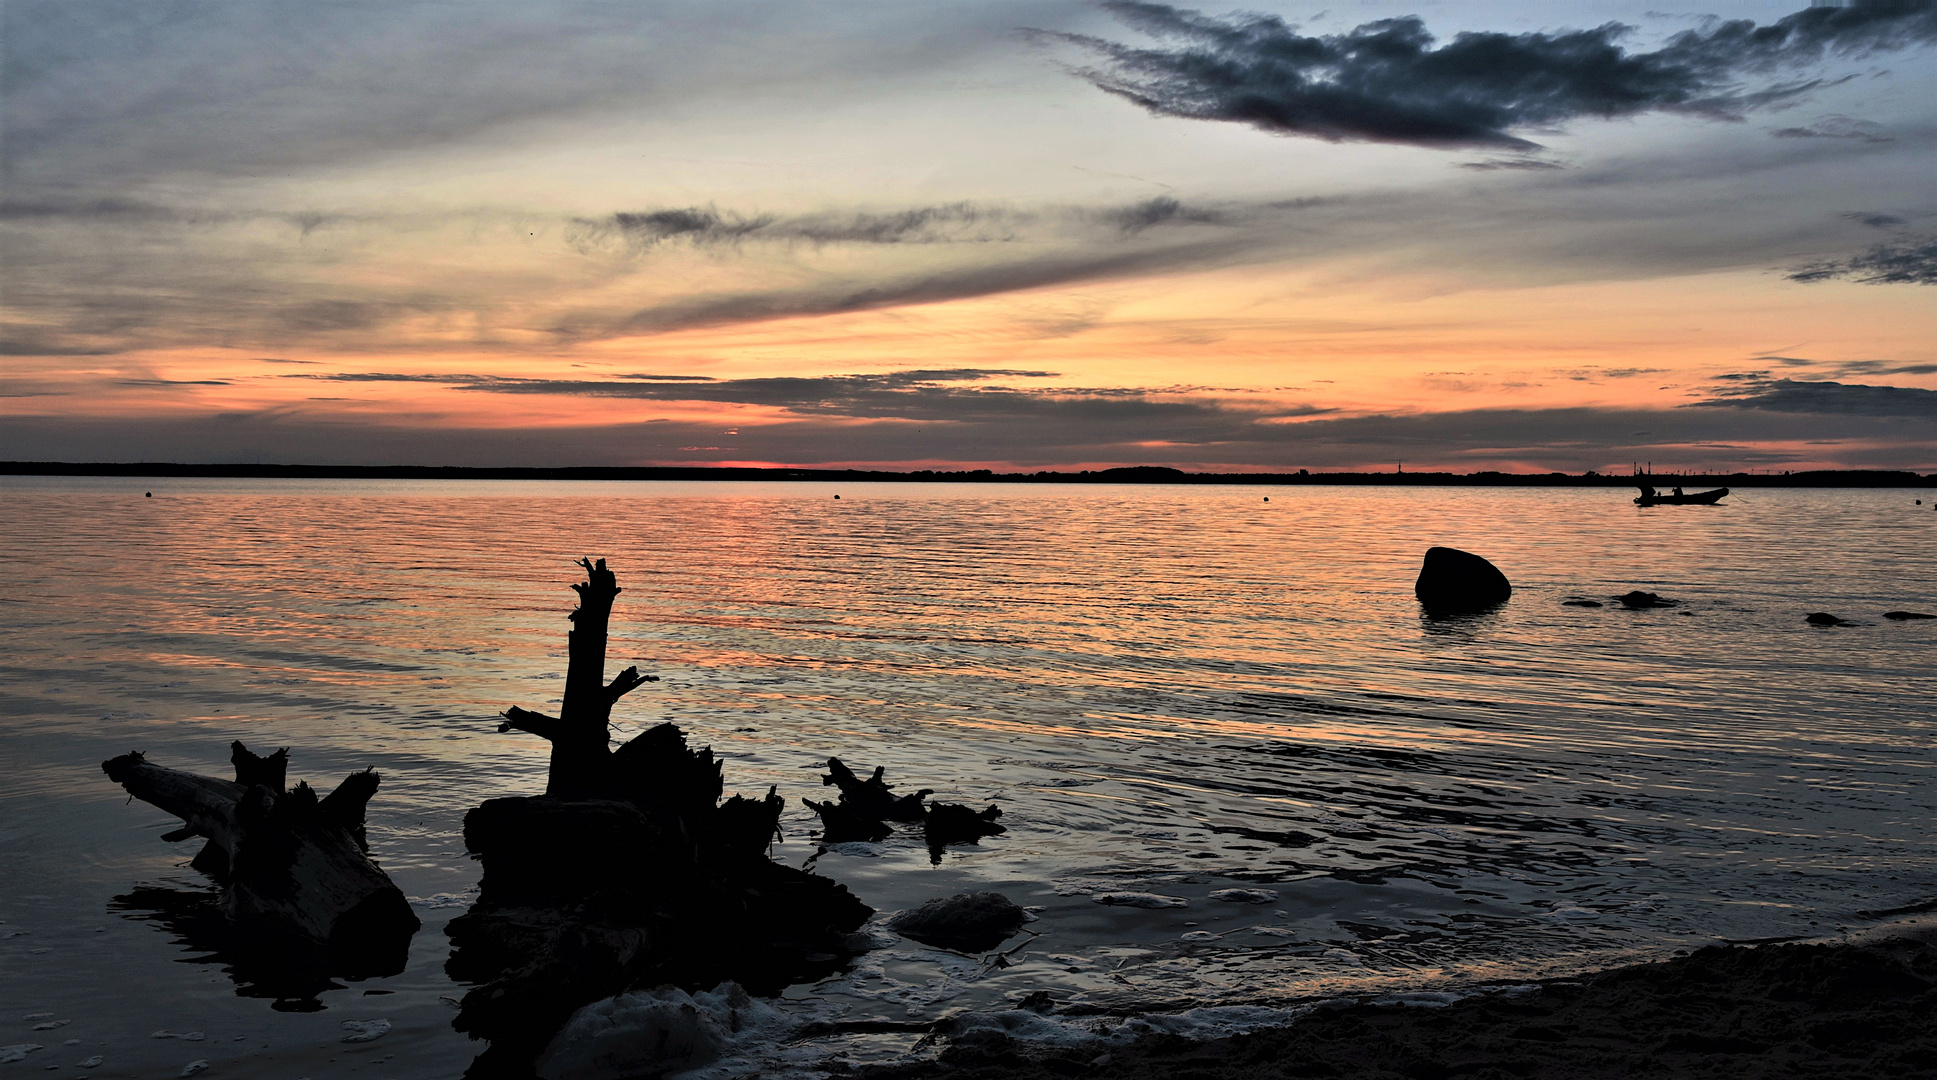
1837	127
387	376
949	223
954	283
922	394
1913	262
1876	221
1512	164
1755	390
1386	82
1150	213
110	209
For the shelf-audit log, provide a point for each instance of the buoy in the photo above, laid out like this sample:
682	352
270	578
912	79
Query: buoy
837	496
150	495
1267	498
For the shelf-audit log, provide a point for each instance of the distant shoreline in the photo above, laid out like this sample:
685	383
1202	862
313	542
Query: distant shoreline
1143	474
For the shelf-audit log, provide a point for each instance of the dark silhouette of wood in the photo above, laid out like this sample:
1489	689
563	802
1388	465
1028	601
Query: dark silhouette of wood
294	868
867	806
581	759
873	797
949	823
628	872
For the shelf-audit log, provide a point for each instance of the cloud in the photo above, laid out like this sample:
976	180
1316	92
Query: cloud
841	295
111	92
1512	164
1198	435
1755	390
1386	82
1913	262
949	223
1837	127
923	394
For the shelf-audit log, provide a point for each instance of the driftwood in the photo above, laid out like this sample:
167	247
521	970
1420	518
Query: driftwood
873	797
628	873
295	869
948	823
867	806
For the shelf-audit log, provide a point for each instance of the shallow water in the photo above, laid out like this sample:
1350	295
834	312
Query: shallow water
1169	690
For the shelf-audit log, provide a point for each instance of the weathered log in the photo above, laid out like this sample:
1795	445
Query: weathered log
873	797
581	754
950	823
292	866
628	872
843	823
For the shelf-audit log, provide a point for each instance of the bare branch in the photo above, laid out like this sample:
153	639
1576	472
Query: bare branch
538	724
625	682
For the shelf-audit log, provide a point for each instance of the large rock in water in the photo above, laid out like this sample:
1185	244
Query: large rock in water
1453	581
966	922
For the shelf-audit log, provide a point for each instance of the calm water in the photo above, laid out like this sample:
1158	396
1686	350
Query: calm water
1168	690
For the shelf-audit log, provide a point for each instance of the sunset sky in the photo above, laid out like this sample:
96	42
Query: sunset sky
1030	235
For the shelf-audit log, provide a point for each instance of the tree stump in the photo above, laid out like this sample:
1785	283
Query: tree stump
295	869
628	873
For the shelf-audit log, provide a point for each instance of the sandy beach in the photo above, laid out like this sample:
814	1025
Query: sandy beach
1861	1007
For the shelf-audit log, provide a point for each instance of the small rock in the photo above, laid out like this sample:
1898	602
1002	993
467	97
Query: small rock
90	1063
1582	603
186	1036
1900	615
966	922
31	1017
193	1067
1246	896
1452	581
16	1051
1140	900
1638	599
51	1025
1823	618
363	1031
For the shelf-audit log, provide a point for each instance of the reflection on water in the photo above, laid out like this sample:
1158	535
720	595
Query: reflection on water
1171	691
292	976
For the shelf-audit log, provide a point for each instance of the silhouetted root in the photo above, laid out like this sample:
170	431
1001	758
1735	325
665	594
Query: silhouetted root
583	899
842	824
1637	600
872	797
866	806
295	870
950	823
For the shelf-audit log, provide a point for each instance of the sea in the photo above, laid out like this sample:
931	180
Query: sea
1171	692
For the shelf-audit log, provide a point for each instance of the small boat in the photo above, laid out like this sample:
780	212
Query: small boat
1650	497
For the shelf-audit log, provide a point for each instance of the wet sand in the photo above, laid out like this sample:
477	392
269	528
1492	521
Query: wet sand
1857	1008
